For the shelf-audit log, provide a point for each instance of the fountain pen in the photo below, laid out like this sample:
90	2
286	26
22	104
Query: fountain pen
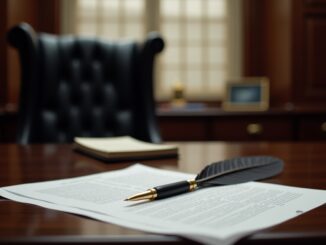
164	191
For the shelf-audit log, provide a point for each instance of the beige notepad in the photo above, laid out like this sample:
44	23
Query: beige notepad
123	147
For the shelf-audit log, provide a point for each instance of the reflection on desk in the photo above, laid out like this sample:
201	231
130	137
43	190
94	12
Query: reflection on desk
304	167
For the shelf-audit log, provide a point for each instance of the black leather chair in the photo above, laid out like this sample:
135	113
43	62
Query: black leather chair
76	86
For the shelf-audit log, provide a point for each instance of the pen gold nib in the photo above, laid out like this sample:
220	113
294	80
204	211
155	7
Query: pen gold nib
147	195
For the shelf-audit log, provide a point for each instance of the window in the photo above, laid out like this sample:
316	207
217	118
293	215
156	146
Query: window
202	40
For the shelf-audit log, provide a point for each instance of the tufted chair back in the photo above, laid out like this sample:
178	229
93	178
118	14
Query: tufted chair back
74	86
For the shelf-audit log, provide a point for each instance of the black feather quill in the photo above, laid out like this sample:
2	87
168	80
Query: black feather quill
231	171
239	170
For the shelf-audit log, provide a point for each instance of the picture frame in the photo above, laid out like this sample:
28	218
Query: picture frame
247	94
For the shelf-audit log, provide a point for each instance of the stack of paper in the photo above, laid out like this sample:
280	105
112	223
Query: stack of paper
122	148
208	215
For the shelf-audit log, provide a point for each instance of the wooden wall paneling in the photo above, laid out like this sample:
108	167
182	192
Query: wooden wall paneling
43	15
316	56
285	41
297	50
267	42
253	38
3	52
17	12
277	54
313	28
315	4
310	37
308	42
49	16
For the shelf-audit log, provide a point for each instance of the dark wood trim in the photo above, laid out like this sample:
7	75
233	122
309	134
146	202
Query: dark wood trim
267	45
49	16
309	24
3	52
44	16
252	36
259	238
284	40
90	240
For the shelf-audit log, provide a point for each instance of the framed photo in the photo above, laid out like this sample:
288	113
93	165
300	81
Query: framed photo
247	94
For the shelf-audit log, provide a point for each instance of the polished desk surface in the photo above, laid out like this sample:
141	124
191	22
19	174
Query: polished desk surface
305	166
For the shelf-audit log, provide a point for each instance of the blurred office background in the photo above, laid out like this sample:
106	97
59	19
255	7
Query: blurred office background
208	43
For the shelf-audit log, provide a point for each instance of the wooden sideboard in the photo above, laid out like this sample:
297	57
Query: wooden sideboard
276	124
285	124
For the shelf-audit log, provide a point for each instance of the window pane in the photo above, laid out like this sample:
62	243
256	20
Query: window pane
171	31
201	38
168	79
215	77
170	9
196	35
172	55
194	56
194	31
86	4
111	18
133	7
216	81
87	29
216	55
110	8
133	30
194	8
216	8
216	31
111	30
194	79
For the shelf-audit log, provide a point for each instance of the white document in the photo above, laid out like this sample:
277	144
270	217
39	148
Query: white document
223	214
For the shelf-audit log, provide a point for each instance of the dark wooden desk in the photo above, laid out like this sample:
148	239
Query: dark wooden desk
305	166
